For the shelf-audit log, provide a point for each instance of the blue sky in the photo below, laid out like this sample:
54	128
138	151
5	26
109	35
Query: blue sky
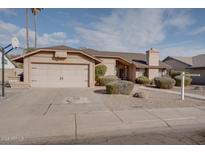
175	32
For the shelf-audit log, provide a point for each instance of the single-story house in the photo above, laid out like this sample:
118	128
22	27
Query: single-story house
178	63
194	65
9	67
62	66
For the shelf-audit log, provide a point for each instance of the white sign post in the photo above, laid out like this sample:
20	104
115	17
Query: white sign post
182	83
182	86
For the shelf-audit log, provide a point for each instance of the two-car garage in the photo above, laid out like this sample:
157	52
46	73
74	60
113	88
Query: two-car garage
55	67
59	75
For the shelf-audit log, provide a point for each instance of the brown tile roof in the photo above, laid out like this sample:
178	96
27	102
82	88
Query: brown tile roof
128	56
60	47
139	59
192	62
186	60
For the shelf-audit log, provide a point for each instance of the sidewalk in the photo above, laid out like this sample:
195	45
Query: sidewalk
99	123
200	97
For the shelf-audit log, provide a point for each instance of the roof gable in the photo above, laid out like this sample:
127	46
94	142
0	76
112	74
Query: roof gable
185	60
55	49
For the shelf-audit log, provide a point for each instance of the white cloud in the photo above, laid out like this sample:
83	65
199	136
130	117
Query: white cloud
185	49
7	27
133	29
178	18
55	38
9	12
198	31
8	30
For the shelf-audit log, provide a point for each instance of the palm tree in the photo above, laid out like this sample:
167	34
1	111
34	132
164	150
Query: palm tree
35	11
27	28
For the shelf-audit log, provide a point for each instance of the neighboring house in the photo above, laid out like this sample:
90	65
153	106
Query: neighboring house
198	67
178	63
194	65
9	67
62	66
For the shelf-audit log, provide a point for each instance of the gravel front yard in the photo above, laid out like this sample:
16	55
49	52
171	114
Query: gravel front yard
96	98
155	100
194	89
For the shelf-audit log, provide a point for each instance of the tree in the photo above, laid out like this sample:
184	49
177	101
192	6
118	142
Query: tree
27	28
35	11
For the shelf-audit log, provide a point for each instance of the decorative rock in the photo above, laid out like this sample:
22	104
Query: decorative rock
140	95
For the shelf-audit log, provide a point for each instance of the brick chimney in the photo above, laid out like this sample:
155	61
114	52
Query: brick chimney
152	57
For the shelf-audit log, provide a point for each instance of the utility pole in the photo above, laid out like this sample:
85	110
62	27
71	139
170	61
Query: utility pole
2	69
35	16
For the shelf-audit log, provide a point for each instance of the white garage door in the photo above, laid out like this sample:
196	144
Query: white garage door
57	75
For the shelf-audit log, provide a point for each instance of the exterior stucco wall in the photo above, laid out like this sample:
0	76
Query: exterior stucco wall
199	79
7	73
152	73
26	66
140	72
111	65
132	73
48	58
152	58
176	65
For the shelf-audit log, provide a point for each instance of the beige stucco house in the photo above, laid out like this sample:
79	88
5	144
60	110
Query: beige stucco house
62	66
194	65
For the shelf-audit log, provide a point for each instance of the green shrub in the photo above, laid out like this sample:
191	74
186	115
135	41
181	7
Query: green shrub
100	70
103	80
187	80
143	80
120	87
174	73
164	82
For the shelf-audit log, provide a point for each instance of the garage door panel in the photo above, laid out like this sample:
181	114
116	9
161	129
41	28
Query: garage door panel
56	75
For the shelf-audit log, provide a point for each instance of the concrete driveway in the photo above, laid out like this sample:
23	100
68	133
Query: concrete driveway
77	113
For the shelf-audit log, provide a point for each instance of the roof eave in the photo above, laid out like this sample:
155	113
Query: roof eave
116	57
20	58
196	67
177	60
